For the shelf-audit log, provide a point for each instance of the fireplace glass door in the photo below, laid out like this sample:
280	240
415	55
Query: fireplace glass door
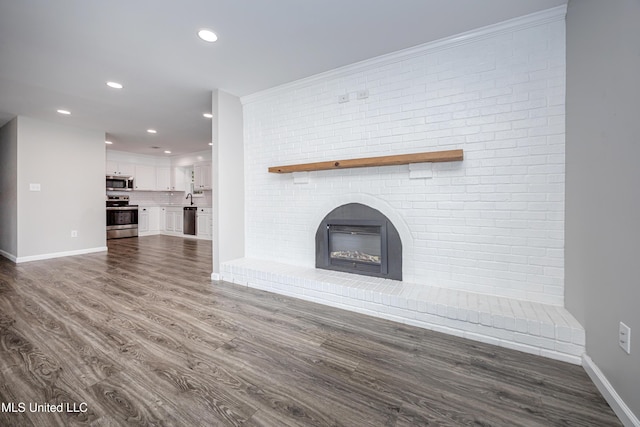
356	246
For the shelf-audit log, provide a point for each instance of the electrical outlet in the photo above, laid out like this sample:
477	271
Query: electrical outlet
362	94
624	337
74	233
343	98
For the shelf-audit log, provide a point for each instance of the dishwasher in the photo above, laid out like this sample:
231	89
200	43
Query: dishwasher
189	220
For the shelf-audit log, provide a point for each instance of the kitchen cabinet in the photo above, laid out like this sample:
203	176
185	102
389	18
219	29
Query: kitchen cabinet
162	214
160	177
179	221
178	180
148	221
120	168
202	176
148	177
145	178
169	221
204	223
154	220
143	221
173	220
163	179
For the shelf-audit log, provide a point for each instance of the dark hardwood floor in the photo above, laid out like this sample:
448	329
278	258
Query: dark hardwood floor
140	335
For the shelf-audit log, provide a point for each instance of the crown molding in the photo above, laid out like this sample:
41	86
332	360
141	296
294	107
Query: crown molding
534	19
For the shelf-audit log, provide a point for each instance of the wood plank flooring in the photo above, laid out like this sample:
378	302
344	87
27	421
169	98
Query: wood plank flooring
141	336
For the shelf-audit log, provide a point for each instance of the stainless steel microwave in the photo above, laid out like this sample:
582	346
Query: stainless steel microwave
119	183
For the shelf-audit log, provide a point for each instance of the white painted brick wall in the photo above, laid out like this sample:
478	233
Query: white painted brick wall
492	224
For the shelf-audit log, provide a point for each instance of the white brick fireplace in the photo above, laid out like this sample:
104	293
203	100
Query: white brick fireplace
481	237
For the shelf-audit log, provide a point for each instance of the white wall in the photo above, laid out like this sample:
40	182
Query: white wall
603	199
8	189
491	224
227	179
69	165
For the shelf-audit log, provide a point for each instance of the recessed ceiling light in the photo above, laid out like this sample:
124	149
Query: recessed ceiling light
208	115
207	35
108	142
65	112
152	131
167	152
114	85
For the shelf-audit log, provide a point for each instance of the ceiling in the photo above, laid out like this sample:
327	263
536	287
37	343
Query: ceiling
60	54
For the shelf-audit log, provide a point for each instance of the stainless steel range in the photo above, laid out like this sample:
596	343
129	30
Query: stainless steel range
122	218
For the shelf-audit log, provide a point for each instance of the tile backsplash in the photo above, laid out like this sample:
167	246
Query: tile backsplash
159	198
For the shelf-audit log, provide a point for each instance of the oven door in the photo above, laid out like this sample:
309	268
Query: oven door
122	221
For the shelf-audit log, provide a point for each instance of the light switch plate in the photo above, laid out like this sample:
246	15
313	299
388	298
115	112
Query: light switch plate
624	337
34	187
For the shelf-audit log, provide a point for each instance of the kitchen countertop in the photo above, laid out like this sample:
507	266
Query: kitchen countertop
153	205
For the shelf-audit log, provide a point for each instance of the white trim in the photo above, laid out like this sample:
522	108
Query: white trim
60	254
515	24
614	400
215	276
8	256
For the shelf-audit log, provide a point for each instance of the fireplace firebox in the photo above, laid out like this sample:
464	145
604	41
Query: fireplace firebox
357	245
358	239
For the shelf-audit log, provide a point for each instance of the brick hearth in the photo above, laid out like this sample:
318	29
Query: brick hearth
531	327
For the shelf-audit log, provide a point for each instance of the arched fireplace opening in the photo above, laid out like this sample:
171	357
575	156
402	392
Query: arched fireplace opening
355	238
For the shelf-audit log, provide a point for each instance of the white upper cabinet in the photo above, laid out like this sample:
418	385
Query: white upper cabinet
163	178
120	168
202	176
145	178
157	173
178	180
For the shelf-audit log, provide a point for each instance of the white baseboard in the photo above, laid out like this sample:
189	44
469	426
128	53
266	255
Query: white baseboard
627	417
59	254
8	256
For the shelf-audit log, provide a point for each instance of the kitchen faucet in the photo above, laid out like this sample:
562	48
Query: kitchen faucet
190	195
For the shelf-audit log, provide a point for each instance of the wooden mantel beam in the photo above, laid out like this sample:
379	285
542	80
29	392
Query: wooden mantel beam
401	159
